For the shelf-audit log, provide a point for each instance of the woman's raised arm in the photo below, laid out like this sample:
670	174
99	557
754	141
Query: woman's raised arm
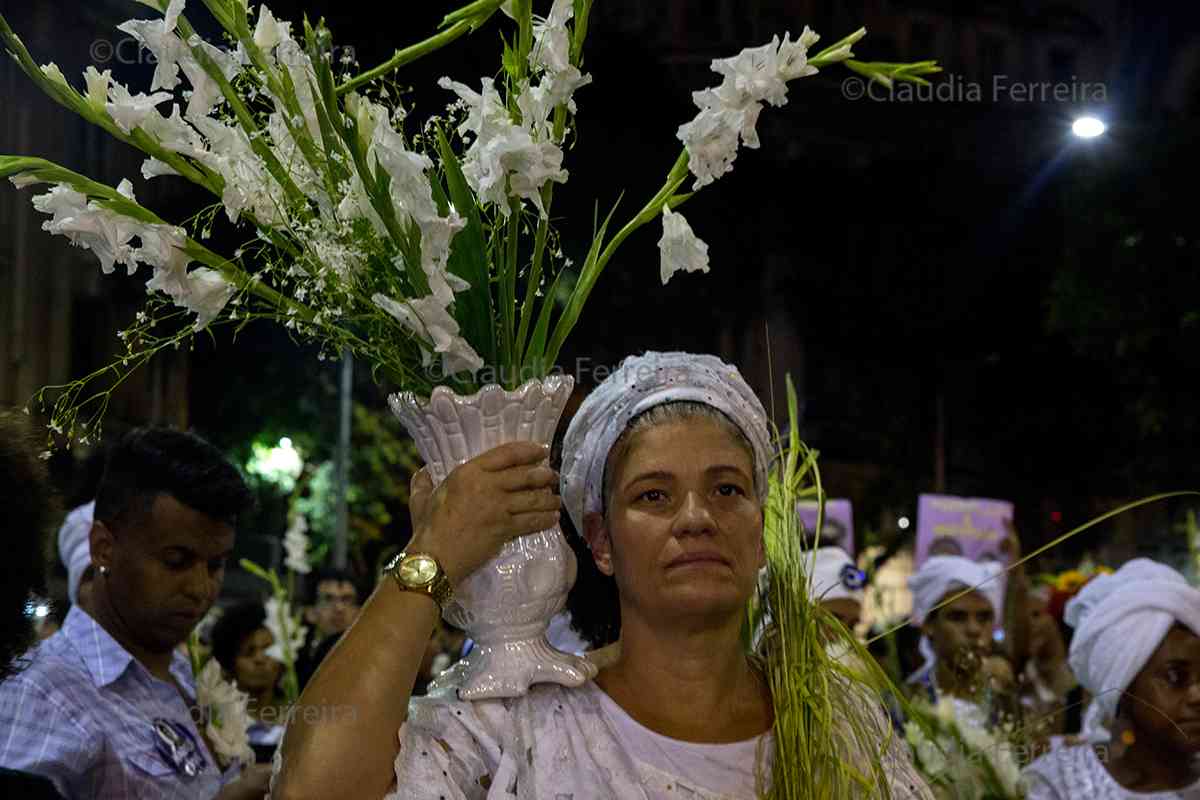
343	730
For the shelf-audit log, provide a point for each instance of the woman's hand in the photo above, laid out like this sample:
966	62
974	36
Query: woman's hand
493	498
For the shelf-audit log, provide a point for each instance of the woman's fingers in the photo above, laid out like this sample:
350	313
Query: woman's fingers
533	501
528	478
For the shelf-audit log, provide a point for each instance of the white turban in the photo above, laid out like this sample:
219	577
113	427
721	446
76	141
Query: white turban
1120	620
639	384
940	575
835	576
74	547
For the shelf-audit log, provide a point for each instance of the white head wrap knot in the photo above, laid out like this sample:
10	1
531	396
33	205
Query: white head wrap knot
940	575
1120	620
835	576
639	384
74	547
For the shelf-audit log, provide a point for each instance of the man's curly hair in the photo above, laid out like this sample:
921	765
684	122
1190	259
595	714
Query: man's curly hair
31	510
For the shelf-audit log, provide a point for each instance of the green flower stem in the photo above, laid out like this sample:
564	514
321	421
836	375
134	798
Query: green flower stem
463	21
592	270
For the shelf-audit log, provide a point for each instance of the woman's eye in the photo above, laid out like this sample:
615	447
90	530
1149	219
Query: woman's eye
730	490
652	495
1175	677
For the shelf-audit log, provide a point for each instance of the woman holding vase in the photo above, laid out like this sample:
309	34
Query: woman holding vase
665	472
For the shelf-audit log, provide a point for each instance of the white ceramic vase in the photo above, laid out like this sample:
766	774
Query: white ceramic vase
507	603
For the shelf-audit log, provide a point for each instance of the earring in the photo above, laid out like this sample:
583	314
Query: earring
104	571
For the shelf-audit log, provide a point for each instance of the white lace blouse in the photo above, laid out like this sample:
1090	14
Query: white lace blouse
557	743
1076	773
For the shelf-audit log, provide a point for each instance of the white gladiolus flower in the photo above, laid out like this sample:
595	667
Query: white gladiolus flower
173	133
207	295
53	73
505	159
153	168
206	92
729	112
286	628
162	248
228	716
269	32
158	36
429	319
679	248
551	39
130	111
97	87
295	544
248	184
90	226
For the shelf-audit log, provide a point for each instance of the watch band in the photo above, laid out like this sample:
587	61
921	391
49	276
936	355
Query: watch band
407	568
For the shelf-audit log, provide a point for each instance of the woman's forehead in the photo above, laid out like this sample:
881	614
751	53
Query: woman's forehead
688	444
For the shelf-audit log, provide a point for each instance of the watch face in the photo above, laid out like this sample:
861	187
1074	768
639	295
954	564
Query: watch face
418	570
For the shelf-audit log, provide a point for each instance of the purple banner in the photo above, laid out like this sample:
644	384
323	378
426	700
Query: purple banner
839	522
973	527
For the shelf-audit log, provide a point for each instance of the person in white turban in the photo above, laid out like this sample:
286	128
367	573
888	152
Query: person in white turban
957	638
664	473
74	548
1136	649
837	584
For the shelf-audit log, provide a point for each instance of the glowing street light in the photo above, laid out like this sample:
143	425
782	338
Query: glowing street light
1088	127
903	523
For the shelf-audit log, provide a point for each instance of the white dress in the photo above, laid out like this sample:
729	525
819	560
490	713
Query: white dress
1076	773
557	743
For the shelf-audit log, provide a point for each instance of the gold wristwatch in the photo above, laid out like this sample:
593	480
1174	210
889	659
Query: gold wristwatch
421	573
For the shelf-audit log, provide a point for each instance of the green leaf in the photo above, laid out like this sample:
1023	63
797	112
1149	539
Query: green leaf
583	288
535	362
469	258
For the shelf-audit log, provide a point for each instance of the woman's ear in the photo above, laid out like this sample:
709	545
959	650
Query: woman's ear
595	533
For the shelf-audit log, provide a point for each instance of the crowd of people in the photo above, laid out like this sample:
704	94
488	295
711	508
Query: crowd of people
663	476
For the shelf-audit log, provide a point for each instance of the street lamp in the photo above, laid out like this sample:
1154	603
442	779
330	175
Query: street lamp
1088	127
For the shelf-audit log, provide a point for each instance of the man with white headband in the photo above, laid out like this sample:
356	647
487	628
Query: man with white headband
1136	649
664	473
956	639
76	553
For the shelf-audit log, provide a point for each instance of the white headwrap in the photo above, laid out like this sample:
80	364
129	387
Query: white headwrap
1120	620
639	384
940	575
835	576
74	547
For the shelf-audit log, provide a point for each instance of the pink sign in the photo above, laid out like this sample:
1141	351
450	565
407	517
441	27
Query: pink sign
839	522
972	527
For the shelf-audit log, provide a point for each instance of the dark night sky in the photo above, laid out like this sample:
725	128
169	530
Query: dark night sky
967	250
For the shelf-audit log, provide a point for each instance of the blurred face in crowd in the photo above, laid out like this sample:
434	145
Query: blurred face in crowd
847	611
682	533
164	566
336	608
962	629
255	671
1164	699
